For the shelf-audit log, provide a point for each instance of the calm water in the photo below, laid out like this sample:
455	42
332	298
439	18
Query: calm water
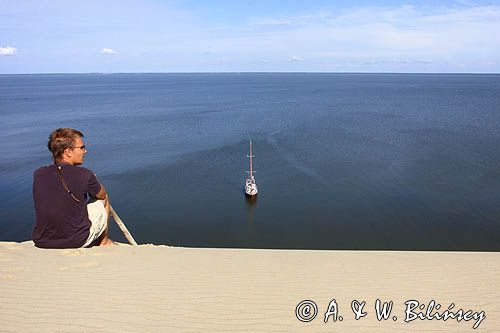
344	161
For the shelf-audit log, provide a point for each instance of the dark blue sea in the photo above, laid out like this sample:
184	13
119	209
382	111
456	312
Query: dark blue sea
344	161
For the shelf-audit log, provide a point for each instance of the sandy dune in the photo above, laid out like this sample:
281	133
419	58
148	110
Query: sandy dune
164	289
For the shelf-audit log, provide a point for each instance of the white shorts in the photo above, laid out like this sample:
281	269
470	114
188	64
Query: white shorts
99	218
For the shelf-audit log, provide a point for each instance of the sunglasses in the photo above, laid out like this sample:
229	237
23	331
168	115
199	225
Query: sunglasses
81	147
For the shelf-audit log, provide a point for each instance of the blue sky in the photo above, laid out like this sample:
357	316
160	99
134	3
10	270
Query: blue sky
63	36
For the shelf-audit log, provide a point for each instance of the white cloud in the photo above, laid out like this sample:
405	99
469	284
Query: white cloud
108	51
420	37
8	50
375	38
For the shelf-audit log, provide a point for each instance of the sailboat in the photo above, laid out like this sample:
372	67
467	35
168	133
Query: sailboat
250	184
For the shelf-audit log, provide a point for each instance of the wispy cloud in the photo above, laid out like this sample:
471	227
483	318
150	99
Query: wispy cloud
7	51
452	36
402	35
108	51
295	59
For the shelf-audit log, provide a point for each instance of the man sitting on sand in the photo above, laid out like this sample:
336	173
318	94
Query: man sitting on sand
71	206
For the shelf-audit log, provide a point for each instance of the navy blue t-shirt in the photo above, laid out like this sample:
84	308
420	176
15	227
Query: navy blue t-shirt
61	222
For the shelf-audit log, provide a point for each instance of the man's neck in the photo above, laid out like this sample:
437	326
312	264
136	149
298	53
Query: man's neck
64	161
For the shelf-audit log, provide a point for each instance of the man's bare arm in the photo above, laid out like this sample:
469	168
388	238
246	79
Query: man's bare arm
102	194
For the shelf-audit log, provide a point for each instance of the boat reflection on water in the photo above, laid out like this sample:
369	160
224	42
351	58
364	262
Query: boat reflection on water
251	204
251	200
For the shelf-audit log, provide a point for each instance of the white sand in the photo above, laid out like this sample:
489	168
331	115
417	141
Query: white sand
163	289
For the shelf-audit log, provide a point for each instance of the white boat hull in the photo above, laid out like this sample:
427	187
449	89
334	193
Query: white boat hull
250	184
251	187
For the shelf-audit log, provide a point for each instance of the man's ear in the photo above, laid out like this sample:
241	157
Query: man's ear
67	152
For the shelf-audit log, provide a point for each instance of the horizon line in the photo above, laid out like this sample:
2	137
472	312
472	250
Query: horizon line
253	72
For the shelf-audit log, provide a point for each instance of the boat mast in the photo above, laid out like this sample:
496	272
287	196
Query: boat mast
250	173
251	164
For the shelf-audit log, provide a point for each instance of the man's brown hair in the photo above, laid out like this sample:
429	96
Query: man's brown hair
62	138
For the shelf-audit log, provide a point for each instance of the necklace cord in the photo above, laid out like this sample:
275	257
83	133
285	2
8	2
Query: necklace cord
63	182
